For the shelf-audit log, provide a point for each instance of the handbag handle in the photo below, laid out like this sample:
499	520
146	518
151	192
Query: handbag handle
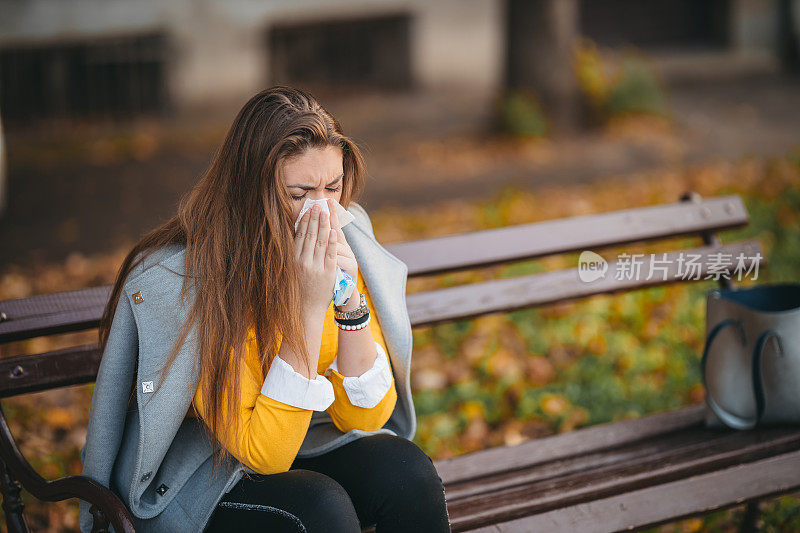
758	385
729	419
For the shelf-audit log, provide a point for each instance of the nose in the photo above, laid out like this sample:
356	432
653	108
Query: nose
318	195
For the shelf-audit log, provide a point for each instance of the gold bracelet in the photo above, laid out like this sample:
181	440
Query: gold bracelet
358	312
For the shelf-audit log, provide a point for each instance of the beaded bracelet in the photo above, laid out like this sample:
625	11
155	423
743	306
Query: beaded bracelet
355	323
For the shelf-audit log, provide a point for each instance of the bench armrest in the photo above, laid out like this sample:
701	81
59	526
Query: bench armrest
105	505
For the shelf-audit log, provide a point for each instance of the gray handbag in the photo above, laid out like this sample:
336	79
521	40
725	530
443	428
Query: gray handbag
751	359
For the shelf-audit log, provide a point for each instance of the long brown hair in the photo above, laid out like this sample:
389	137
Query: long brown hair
236	223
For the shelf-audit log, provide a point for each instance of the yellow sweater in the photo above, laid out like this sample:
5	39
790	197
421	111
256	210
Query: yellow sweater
270	431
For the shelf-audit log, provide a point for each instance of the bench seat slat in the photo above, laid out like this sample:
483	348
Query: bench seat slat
527	241
508	458
598	459
663	503
596	475
637	464
502	295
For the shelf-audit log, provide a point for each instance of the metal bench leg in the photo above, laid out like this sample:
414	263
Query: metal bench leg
106	506
99	520
753	509
12	503
750	519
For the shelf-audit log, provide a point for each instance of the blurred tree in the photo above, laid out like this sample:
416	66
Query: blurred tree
788	42
540	36
3	170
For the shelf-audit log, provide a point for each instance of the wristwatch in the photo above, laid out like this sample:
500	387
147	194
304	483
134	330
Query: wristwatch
358	312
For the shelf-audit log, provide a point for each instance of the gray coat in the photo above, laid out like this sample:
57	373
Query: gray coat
163	473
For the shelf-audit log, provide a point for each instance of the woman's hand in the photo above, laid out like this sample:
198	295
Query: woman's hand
315	248
345	258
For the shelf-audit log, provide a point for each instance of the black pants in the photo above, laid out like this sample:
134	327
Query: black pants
380	480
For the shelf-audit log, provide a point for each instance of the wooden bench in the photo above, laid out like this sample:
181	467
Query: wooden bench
623	475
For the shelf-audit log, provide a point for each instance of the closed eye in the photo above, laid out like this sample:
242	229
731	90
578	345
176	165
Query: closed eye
327	189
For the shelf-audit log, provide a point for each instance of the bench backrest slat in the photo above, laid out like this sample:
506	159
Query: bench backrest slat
81	309
48	314
50	370
501	295
30	373
527	241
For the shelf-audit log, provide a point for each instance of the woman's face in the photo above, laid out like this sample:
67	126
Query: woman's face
316	173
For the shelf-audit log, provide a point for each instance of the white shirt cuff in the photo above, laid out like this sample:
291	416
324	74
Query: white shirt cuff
368	389
284	384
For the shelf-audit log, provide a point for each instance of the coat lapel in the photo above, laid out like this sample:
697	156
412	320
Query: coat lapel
385	276
159	313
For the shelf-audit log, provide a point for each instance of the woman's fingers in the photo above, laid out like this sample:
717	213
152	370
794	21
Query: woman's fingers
336	225
300	233
330	255
323	234
334	214
310	239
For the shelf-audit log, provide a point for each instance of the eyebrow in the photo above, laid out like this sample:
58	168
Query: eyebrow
311	187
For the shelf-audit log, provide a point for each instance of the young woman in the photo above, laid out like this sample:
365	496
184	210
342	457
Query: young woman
258	404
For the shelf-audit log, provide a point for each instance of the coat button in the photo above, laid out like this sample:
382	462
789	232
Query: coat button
146	476
162	489
137	297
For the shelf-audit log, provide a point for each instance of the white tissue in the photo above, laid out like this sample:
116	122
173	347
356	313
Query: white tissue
345	285
344	215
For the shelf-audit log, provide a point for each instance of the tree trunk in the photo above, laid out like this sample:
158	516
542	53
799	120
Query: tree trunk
540	38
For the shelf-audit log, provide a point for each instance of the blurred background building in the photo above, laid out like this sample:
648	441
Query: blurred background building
80	57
